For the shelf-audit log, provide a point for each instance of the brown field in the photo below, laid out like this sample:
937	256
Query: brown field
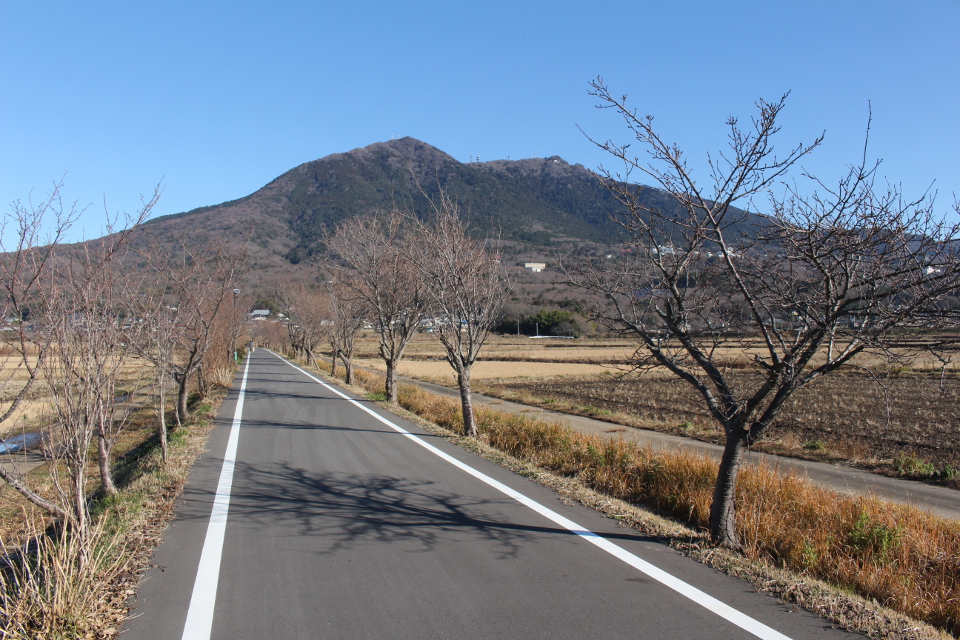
34	412
903	424
441	372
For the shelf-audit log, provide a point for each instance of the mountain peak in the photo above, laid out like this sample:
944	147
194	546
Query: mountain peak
530	202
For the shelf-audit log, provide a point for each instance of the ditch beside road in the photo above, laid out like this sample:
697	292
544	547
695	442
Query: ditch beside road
942	501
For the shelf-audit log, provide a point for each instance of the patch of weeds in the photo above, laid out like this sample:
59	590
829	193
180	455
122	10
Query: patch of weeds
809	555
377	396
815	445
107	504
913	467
178	438
597	455
868	536
204	410
686	425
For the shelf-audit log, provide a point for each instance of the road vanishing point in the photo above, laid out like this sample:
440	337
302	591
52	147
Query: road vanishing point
318	514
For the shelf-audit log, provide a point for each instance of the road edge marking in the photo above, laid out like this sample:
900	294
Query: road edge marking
199	621
725	611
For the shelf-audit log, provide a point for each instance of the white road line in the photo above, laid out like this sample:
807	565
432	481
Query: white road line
723	610
200	614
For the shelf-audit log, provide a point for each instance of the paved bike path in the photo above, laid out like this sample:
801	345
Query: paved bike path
343	526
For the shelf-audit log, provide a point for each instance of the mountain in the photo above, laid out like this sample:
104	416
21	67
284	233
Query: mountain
536	205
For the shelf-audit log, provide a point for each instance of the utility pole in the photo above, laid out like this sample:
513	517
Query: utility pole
236	293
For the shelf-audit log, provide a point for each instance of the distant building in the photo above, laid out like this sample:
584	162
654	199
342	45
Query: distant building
259	314
536	267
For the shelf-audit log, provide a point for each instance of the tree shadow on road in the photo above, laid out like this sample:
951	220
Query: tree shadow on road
346	511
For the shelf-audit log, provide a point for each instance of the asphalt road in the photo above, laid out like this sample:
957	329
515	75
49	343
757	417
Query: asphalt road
345	521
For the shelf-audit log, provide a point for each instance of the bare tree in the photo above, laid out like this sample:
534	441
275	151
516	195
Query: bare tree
378	249
80	346
196	287
25	257
87	317
308	311
156	345
466	286
347	312
749	310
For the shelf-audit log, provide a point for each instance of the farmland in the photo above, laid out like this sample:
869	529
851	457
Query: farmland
904	423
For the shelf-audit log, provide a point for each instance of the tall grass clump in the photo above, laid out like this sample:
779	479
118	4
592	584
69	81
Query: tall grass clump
900	556
55	585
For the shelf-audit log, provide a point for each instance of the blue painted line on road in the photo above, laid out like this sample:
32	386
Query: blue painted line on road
725	611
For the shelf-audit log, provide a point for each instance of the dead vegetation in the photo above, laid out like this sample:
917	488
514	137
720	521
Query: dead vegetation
905	425
52	584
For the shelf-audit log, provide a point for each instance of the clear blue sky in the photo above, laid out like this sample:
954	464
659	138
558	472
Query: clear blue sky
215	99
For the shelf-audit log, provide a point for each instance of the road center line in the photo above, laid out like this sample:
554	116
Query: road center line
200	614
723	610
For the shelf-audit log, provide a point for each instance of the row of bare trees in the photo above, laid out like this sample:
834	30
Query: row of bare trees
410	273
746	309
400	274
98	337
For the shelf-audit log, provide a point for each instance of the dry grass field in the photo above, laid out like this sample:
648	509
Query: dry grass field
34	413
904	424
439	371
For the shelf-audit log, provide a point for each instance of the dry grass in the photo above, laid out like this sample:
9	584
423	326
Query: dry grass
35	411
55	588
442	372
613	352
46	593
899	556
909	426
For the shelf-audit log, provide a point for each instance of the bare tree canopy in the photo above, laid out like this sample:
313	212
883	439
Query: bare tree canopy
832	273
466	286
195	289
378	248
75	334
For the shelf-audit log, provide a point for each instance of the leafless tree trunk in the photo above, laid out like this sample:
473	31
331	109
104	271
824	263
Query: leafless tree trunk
466	286
156	345
378	249
800	293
